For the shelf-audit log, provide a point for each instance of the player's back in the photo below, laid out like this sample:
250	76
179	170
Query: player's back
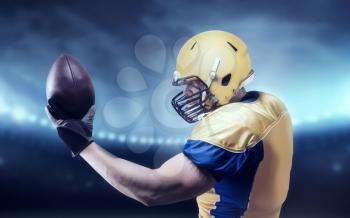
247	146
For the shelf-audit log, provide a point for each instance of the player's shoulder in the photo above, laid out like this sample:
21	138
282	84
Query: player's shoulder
240	125
270	105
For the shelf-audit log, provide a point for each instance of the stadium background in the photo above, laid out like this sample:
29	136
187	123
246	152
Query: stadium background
300	51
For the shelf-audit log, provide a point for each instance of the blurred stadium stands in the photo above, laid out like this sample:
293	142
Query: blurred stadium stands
38	177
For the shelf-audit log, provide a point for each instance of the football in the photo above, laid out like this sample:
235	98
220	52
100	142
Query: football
69	89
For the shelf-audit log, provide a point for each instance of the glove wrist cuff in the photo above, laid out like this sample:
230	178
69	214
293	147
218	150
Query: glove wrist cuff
75	142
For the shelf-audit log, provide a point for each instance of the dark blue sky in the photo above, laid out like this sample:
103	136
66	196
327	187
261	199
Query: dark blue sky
300	51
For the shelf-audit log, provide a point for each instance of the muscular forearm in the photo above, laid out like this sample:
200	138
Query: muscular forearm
148	186
135	181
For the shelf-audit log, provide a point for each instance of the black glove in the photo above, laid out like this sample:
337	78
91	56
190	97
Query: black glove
75	133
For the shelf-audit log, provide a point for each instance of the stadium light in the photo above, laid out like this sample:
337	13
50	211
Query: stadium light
4	109
101	135
150	140
169	141
111	136
19	113
296	122
133	139
143	140
121	138
160	140
44	122
32	118
312	119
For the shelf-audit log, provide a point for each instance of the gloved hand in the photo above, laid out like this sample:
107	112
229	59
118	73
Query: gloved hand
75	133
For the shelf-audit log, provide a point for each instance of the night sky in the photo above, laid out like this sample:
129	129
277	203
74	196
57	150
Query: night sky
299	50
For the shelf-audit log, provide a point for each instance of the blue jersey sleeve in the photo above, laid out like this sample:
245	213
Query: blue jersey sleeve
218	161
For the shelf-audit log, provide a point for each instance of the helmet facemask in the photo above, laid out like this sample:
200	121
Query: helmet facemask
195	100
190	103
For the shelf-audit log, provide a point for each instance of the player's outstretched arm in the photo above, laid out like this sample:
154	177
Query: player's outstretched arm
176	180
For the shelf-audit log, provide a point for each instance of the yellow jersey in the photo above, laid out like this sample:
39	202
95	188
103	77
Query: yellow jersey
247	146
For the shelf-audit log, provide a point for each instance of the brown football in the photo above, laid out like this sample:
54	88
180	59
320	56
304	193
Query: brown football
69	88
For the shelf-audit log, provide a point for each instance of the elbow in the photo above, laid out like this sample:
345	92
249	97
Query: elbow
146	194
152	197
149	201
160	195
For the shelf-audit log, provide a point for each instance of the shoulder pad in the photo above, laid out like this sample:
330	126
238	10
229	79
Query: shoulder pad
238	126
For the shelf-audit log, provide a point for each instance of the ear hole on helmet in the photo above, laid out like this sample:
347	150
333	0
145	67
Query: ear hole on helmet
226	79
232	46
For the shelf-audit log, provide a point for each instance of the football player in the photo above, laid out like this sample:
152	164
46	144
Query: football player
238	158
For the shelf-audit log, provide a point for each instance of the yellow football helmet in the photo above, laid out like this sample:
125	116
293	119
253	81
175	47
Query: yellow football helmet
217	60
